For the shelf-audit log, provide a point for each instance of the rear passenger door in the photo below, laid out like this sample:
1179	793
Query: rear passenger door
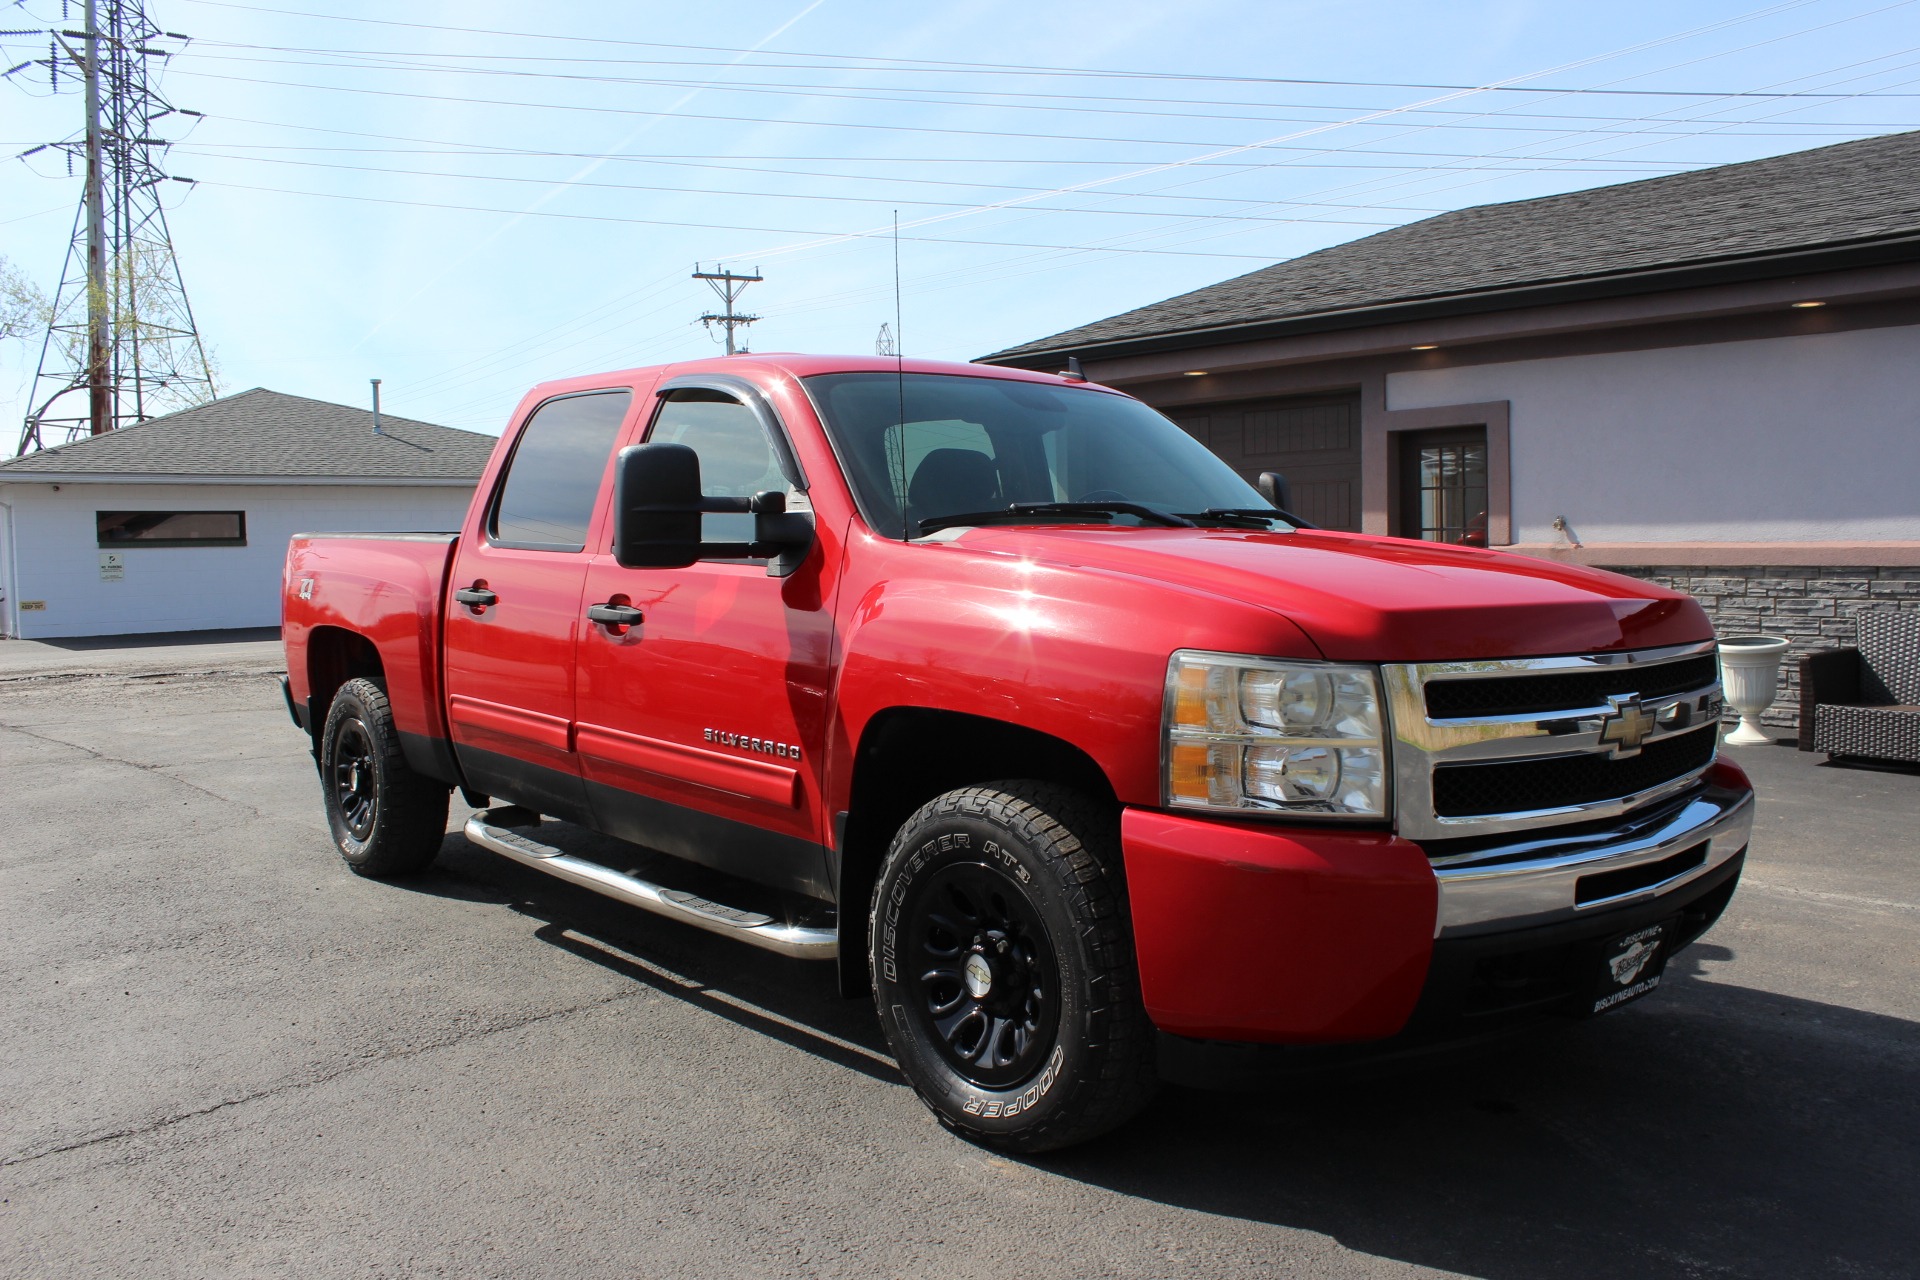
515	614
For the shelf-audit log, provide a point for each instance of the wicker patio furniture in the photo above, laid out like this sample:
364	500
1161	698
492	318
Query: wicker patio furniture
1865	700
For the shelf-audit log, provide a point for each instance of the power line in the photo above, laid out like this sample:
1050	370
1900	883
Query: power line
698	161
859	125
1670	67
800	195
918	65
697	226
861	94
202	45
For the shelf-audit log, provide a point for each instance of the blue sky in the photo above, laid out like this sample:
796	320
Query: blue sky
464	199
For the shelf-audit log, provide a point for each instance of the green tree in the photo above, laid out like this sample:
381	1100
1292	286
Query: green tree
23	308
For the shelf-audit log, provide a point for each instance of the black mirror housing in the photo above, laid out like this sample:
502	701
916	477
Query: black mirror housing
1274	488
656	506
782	536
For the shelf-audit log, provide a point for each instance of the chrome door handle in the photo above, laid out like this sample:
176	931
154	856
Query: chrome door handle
615	615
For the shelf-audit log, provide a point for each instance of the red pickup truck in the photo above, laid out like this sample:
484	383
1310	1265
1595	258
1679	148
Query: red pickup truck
1069	744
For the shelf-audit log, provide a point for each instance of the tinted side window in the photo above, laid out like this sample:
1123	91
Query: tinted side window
736	458
555	472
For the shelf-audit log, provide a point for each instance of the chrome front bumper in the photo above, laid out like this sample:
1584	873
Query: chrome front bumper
1537	881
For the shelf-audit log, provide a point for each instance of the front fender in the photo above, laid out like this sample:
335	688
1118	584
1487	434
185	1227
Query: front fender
1075	653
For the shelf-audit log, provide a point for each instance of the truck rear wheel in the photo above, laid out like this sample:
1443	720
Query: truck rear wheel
386	819
1003	969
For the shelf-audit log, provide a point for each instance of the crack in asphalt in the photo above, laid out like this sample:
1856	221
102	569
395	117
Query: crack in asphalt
215	673
360	1064
157	769
1823	895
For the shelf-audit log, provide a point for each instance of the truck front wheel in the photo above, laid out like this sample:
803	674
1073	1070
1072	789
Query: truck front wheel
386	819
1003	969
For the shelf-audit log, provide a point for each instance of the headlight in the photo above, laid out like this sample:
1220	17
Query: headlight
1262	734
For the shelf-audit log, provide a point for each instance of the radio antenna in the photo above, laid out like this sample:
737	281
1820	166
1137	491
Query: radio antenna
900	386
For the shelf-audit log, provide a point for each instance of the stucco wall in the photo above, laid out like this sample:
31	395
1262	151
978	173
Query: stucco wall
1811	438
56	557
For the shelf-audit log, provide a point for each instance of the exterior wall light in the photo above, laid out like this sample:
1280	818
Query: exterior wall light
1809	304
1426	346
1196	373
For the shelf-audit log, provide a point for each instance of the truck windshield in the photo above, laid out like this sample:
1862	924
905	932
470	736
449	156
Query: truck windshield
920	448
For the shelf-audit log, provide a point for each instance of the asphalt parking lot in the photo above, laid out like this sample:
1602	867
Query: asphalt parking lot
222	1054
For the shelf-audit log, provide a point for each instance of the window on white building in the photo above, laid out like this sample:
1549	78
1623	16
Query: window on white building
171	528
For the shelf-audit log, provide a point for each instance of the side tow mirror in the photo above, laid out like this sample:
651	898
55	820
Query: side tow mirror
656	506
1274	488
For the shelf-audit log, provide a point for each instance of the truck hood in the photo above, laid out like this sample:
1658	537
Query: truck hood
1372	599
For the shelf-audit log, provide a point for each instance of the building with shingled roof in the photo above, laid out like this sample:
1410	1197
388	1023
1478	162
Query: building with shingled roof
1708	378
180	523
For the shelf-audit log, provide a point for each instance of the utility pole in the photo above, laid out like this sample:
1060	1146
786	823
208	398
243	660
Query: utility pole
99	386
729	287
121	338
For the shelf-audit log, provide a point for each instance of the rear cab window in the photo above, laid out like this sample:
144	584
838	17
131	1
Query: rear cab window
553	479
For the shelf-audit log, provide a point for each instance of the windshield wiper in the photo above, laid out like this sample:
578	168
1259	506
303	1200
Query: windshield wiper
1264	515
1019	511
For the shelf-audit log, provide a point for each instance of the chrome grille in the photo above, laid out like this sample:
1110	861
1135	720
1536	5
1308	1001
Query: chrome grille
1508	786
1501	745
1557	692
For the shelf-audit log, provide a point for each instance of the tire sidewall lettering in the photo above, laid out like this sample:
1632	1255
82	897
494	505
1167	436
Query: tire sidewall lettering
989	1108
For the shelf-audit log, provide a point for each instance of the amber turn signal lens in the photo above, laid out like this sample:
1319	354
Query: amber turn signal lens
1189	771
1190	697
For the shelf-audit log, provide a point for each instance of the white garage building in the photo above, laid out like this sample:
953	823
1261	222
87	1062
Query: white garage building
181	523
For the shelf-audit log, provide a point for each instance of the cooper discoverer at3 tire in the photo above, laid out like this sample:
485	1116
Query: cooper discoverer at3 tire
1003	967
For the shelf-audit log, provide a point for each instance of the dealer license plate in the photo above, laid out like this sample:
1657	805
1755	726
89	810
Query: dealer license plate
1630	966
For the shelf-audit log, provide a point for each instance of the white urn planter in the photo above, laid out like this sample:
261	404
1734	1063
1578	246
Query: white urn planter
1750	675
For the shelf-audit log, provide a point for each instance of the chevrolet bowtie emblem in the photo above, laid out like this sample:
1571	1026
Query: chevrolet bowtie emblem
1624	728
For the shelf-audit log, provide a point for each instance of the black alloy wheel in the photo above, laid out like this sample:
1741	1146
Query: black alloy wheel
989	985
386	820
1002	960
354	787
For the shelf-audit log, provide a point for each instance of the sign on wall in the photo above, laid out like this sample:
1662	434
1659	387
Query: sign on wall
113	566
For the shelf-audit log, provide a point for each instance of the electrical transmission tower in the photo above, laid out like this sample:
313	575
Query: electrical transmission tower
729	286
120	346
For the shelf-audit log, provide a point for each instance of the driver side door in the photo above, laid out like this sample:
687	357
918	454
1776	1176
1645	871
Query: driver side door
701	730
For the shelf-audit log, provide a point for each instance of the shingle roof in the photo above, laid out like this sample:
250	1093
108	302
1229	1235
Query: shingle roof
1847	193
266	433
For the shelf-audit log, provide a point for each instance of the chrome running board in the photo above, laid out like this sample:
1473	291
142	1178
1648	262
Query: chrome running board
801	942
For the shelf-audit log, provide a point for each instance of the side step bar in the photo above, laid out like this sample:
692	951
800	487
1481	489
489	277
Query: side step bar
798	941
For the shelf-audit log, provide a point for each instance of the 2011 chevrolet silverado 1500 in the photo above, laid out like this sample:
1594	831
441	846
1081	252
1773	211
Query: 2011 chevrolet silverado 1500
1067	743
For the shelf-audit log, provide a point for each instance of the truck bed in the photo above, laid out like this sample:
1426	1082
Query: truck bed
391	589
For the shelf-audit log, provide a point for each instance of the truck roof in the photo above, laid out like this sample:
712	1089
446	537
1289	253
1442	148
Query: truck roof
798	365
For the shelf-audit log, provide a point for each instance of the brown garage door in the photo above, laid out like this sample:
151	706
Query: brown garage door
1313	440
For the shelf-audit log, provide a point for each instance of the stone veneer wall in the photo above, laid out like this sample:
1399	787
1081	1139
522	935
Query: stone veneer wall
1813	607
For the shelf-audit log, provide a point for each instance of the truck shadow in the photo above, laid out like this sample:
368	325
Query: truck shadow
794	1003
1712	1130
